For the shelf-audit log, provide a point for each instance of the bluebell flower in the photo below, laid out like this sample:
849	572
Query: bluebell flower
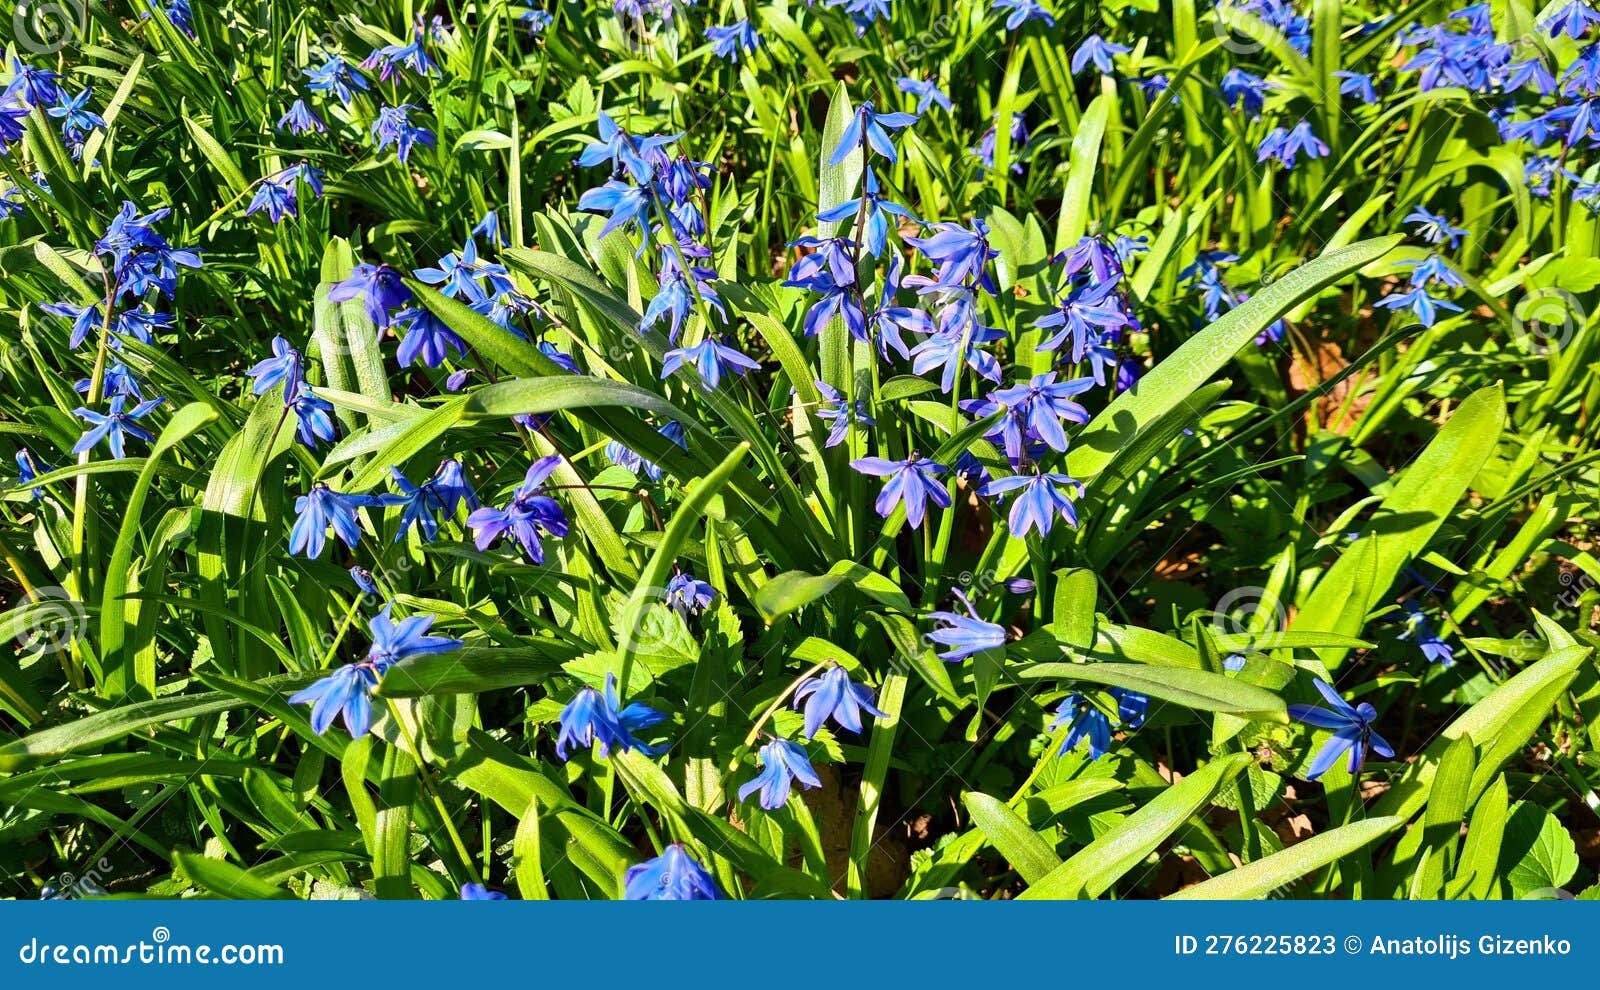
671	876
300	119
1528	72
83	319
1357	84
833	257
313	418
142	324
1019	139
912	482
626	204
391	59
1044	496
337	77
1286	145
488	228
1582	118
833	695
837	302
1132	707
1039	408
839	414
285	368
529	511
1433	228
363	580
439	495
274	196
926	91
463	275
782	763
1435	649
75	118
617	454
1233	662
966	635
868	127
1153	86
1434	269
1098	51
31	86
676	297
710	360
28	469
1102	260
1244	91
478	892
1573	20
688	595
112	425
428	340
1352	730
641	158
536	20
394	126
322	508
959	341
347	692
1426	307
1086	722
393	641
1582	77
1023	11
884	324
962	253
593	717
379	287
1087	311
727	42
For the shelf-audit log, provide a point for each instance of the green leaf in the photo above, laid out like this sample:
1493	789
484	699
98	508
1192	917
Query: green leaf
1259	878
1023	848
794	590
1201	690
1537	853
225	880
469	670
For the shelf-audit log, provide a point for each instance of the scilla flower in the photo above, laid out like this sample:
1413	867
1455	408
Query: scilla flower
710	360
967	635
112	425
478	892
688	595
1351	726
379	287
835	696
1044	497
529	511
671	876
912	482
1086	722
593	717
782	763
1432	647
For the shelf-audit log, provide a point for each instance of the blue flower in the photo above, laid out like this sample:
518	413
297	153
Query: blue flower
687	595
1357	84
394	126
967	635
285	368
1081	316
617	454
1019	139
959	341
1244	91
76	119
1099	51
393	642
29	469
1434	228
489	229
1086	722
1435	649
478	892
593	717
1574	20
1037	410
626	204
142	324
782	763
868	127
363	580
1101	260
464	275
113	424
313	418
710	360
84	319
840	414
671	876
676	296
275	196
337	77
34	87
529	511
379	287
439	495
347	692
300	119
835	696
321	508
728	41
1352	730
1425	306
537	20
926	91
961	253
390	59
912	482
639	157
1023	11
428	340
1043	498
1285	145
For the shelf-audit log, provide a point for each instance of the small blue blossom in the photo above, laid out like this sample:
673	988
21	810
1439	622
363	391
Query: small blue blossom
1286	145
1086	722
529	511
728	42
782	763
1351	726
337	77
1418	629
688	595
1023	11
1044	496
112	425
710	360
379	287
967	635
926	91
300	119
1433	228
868	127
671	876
438	496
593	717
1098	51
394	127
912	482
478	892
323	508
833	695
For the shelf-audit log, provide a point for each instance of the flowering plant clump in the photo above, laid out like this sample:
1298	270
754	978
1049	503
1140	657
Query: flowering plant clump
731	450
